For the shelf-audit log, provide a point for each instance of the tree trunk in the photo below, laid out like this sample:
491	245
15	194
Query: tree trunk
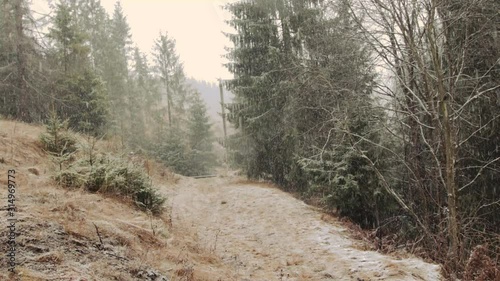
169	102
22	100
449	143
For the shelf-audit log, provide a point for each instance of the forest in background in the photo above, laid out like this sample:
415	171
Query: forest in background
387	110
210	93
79	64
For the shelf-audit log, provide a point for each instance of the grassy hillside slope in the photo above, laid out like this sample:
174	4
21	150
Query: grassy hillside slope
63	234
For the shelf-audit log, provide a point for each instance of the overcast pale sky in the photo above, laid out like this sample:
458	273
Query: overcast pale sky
196	25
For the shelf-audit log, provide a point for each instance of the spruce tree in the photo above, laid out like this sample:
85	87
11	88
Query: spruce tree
94	19
200	137
115	72
301	79
20	63
69	40
141	102
170	71
80	96
255	62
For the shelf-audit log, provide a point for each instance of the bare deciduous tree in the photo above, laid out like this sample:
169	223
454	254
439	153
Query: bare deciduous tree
431	95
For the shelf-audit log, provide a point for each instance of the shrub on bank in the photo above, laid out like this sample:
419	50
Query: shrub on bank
103	173
111	175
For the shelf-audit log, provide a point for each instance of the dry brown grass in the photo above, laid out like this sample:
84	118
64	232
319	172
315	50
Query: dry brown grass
57	227
19	144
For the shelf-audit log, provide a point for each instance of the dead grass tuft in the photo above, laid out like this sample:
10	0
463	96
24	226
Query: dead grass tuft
186	273
51	257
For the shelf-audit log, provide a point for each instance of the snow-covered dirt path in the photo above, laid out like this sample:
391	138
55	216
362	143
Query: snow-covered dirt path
263	233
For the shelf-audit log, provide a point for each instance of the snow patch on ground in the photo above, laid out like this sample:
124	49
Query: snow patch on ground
263	233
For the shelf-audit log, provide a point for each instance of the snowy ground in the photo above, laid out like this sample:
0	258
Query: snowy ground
263	233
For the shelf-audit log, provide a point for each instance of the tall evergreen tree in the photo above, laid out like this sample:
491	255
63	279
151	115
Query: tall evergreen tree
255	62
200	137
70	40
116	73
95	20
170	70
301	76
79	94
141	100
19	63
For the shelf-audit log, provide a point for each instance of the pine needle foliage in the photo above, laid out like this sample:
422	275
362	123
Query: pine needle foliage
102	173
57	140
114	176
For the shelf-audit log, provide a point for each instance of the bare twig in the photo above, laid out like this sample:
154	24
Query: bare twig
100	247
215	243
